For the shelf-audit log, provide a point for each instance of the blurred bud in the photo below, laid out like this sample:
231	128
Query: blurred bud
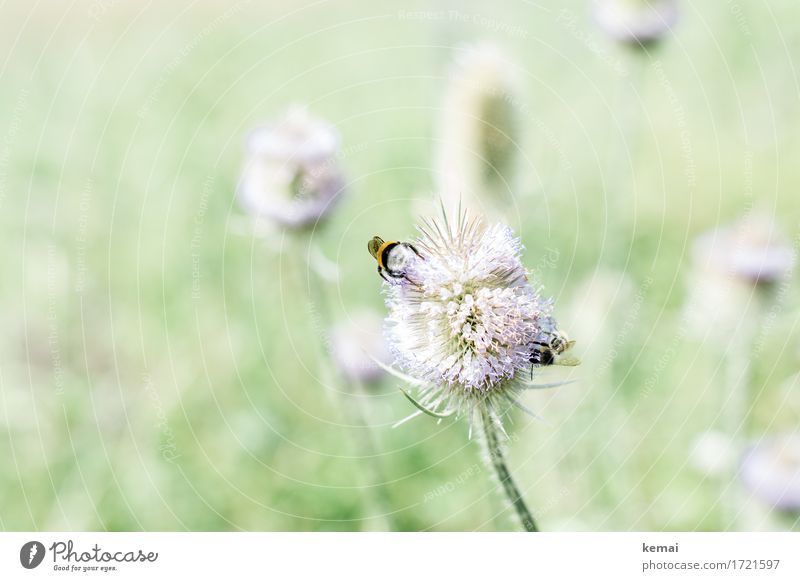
636	22
353	341
291	173
712	454
770	469
479	133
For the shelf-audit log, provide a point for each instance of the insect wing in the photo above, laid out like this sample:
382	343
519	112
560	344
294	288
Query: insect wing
567	361
374	245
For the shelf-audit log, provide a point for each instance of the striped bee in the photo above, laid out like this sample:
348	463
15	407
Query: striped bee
392	256
547	351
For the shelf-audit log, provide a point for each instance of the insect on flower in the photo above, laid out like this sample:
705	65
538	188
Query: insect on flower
548	348
464	322
393	257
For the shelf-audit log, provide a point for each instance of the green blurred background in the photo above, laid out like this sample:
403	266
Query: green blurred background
161	367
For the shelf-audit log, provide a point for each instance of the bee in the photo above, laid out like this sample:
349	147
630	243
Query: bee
547	351
392	256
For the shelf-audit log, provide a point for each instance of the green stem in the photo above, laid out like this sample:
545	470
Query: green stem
738	369
376	498
498	462
620	186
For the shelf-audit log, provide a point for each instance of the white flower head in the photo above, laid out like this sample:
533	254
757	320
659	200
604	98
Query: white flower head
464	318
292	175
636	22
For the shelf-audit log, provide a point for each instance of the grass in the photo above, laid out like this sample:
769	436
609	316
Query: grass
160	370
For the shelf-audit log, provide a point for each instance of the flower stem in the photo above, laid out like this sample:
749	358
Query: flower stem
738	401
319	276
621	184
498	462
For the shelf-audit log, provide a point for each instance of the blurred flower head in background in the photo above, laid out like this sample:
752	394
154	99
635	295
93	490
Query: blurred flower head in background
728	264
464	319
355	344
636	22
752	250
479	130
292	175
770	469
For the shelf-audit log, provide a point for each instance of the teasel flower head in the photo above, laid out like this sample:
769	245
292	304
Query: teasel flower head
752	251
478	150
636	22
464	319
291	175
728	265
770	469
356	344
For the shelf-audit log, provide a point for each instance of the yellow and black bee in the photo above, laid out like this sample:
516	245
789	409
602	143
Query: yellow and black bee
547	351
392	256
